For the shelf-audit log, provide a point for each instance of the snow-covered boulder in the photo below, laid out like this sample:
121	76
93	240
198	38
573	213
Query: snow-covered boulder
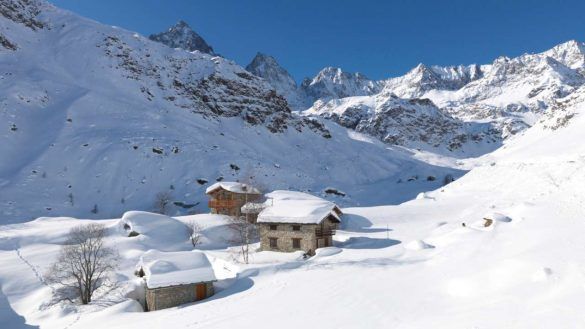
154	230
497	217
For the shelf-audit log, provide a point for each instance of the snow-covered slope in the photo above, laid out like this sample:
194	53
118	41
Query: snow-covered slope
98	120
556	137
181	35
433	262
413	123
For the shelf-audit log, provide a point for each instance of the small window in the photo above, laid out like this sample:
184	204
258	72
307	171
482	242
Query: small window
273	242
296	243
273	227
296	227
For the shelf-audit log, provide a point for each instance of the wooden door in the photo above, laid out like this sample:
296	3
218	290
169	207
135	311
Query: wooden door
320	243
201	291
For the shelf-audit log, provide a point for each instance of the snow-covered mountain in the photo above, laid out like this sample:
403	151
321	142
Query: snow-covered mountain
332	82
413	123
266	67
181	35
511	94
329	83
98	120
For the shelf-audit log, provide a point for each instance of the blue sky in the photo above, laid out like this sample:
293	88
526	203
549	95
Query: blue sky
378	38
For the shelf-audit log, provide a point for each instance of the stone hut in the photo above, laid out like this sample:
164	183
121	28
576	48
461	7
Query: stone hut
293	221
227	198
175	278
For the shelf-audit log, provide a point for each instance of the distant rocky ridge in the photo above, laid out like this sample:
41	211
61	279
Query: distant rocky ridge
329	83
509	94
503	98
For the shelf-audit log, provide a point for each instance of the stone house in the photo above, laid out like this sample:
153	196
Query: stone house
175	278
293	221
227	198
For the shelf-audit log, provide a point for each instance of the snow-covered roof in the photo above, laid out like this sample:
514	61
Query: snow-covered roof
296	207
234	187
253	207
163	269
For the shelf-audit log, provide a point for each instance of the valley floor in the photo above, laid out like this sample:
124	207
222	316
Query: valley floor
413	265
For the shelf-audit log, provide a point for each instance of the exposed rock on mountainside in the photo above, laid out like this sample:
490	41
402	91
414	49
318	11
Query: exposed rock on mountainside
414	123
23	11
182	36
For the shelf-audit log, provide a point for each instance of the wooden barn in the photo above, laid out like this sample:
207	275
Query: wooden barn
227	198
293	221
175	278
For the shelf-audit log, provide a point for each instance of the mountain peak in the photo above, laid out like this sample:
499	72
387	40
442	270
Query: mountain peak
262	59
181	35
182	24
570	53
267	67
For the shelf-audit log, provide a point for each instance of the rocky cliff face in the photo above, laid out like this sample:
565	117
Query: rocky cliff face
182	36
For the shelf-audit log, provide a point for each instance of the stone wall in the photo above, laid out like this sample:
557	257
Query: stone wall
284	233
165	297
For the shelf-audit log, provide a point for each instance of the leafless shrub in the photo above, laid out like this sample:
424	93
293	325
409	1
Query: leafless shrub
244	234
84	264
194	231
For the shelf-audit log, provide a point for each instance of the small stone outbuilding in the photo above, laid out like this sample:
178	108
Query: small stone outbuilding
227	198
293	221
175	278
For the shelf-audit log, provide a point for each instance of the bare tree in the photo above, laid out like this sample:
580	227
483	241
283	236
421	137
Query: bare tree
244	234
161	202
84	264
194	231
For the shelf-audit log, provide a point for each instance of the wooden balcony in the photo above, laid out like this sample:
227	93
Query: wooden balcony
324	231
222	203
